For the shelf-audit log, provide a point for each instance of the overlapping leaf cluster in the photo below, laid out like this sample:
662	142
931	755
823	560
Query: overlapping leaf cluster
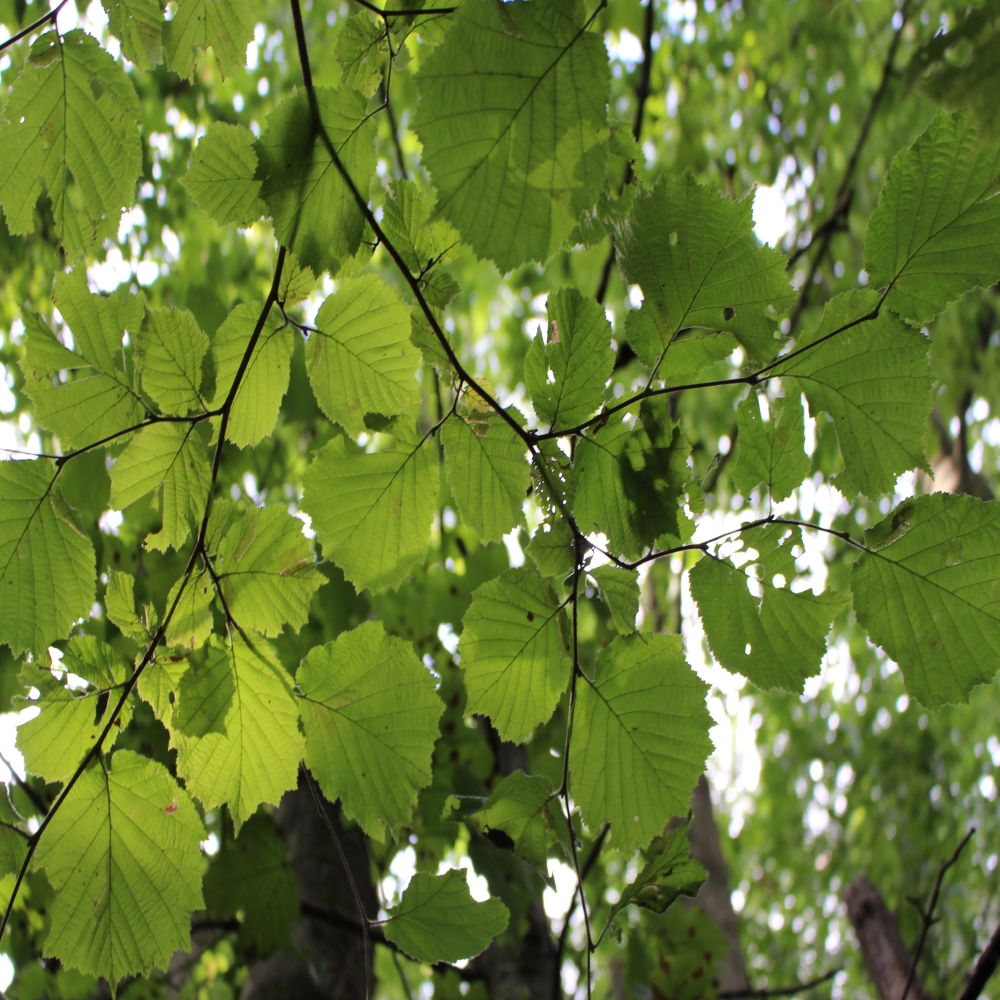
514	165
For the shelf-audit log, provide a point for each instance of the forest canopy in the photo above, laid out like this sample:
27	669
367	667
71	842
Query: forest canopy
496	499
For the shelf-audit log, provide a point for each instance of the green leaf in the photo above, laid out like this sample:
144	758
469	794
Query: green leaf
313	209
513	647
360	359
631	479
71	129
370	714
13	845
690	354
935	232
515	161
640	738
519	808
101	399
46	559
488	473
159	683
361	49
267	571
169	351
55	741
875	380
437	919
138	25
122	854
373	512
251	878
669	872
172	455
222	179
119	606
693	254
620	590
243	749
191	623
258	398
772	453
579	356
225	25
552	549
776	640
425	339
420	241
927	594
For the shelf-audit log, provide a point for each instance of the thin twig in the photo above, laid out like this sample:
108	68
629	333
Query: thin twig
41	22
781	991
350	878
928	915
844	196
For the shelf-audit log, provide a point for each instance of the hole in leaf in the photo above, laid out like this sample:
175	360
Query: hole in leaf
728	313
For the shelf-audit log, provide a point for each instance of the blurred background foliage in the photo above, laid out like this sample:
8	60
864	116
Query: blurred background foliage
803	102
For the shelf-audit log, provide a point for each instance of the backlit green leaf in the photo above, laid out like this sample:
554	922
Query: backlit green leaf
772	453
122	854
56	740
929	594
222	179
513	652
935	232
265	380
70	129
489	475
313	210
640	738
692	252
519	808
620	590
101	397
437	920
370	713
235	726
514	161
874	379
267	571
46	559
778	639
169	351
361	49
225	25
631	479
361	360
577	353
139	25
373	512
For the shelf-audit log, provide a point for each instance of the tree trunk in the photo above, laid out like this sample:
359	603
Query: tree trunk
713	897
326	959
886	957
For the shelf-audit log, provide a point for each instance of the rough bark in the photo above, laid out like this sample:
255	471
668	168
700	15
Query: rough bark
713	897
325	960
886	956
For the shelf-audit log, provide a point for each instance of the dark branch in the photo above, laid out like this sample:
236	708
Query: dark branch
985	967
928	916
40	23
781	991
